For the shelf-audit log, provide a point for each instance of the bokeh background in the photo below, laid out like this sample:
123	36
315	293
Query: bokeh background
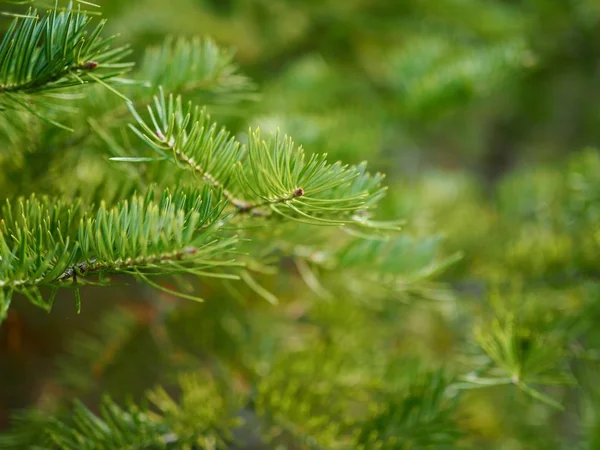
477	110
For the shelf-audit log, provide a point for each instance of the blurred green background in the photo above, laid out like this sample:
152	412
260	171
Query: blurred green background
478	112
466	84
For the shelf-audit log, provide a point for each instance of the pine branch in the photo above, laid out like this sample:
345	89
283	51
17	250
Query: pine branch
525	351
203	417
432	75
94	266
208	141
274	175
196	67
47	243
41	57
421	417
399	267
333	396
37	84
27	430
58	51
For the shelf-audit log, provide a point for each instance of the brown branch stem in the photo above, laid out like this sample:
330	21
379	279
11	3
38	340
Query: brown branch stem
88	267
32	85
242	206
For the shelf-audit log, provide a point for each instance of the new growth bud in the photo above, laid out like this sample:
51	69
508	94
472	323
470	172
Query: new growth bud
90	65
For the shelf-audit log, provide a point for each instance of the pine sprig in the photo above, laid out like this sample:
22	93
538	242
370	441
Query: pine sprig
57	51
527	351
401	267
327	399
35	247
280	177
195	66
421	417
168	233
185	135
45	243
115	428
203	417
273	175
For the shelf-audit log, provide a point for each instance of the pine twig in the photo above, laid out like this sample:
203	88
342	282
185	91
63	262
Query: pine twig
35	84
242	206
93	266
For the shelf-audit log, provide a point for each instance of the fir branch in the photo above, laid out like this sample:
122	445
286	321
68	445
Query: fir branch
46	243
396	267
272	174
193	66
37	84
170	145
196	67
203	417
421	416
524	352
58	51
241	205
93	266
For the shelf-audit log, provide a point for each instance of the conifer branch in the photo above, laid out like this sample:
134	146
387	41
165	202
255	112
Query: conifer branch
55	52
271	173
327	374
202	418
241	205
46	243
93	266
35	85
195	67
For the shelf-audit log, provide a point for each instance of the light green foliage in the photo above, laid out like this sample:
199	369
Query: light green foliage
49	243
57	51
35	247
172	424
420	417
198	66
525	351
272	174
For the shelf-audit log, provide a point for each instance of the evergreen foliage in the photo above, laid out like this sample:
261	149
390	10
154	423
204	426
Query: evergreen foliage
262	288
